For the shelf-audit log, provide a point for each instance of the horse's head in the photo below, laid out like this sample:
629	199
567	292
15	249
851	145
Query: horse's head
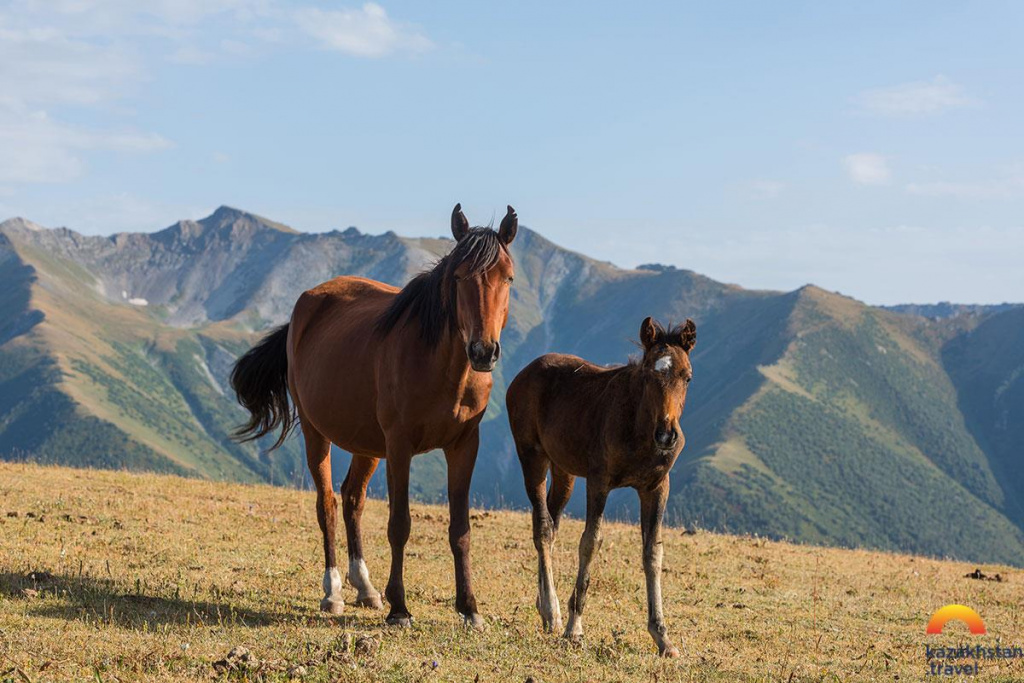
667	372
482	270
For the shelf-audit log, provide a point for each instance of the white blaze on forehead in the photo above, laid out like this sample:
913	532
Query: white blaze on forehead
663	364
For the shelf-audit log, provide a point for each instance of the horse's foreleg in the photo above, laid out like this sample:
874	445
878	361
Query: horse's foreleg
353	496
398	532
461	458
318	457
652	510
590	544
535	473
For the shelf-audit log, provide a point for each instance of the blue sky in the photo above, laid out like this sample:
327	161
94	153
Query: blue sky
871	148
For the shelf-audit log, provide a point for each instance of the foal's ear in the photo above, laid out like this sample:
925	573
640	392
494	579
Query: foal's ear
460	224
689	335
650	332
509	226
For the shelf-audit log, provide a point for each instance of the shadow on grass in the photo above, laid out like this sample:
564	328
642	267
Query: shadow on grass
99	600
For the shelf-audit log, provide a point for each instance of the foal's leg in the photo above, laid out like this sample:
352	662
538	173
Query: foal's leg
652	510
461	458
318	457
590	543
399	521
561	490
353	497
535	475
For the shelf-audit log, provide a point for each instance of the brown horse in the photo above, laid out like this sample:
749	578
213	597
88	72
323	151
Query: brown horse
615	427
388	373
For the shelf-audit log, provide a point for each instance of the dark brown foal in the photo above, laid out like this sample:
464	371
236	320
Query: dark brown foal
386	374
616	427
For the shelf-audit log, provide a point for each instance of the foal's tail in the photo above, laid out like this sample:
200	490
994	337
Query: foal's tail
260	379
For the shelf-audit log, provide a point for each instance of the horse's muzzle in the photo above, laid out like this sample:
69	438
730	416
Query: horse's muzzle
483	356
666	438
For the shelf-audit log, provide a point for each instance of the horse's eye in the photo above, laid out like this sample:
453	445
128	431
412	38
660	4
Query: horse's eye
511	280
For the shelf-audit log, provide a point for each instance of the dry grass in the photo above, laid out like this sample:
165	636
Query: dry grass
157	578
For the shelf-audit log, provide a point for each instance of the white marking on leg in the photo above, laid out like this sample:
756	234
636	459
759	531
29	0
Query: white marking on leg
547	599
359	577
332	585
332	603
663	364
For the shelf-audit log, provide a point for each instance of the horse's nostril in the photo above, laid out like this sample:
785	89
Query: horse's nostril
496	353
666	438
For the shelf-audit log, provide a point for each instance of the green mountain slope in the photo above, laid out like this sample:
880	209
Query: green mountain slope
986	364
855	437
811	416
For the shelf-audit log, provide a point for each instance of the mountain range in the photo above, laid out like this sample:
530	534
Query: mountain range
812	416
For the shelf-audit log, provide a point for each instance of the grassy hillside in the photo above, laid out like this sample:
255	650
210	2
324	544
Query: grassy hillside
112	576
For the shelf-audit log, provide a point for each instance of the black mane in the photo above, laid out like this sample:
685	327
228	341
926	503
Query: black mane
429	298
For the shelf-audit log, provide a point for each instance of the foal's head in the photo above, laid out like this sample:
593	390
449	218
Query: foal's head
481	271
667	373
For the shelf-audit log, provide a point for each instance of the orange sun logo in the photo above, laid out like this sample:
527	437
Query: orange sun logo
960	612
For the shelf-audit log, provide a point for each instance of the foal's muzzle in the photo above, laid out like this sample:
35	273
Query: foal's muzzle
483	356
666	438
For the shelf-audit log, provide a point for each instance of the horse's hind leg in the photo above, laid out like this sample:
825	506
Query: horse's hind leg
535	473
561	490
318	457
353	497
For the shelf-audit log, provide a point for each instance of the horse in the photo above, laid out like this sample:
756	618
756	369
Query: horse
387	374
615	427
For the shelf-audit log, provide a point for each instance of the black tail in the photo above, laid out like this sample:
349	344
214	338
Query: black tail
260	379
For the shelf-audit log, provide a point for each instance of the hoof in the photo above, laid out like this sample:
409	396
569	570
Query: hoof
370	602
670	652
399	619
573	638
553	626
473	621
332	606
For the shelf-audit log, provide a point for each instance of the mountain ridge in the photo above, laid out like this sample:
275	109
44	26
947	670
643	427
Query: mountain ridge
812	416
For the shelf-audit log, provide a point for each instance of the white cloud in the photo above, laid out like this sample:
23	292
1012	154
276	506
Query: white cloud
57	56
766	189
866	168
1005	188
918	98
191	55
44	66
38	149
365	32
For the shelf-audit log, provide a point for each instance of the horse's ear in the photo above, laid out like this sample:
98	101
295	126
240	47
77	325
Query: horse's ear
460	224
650	332
509	226
689	335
